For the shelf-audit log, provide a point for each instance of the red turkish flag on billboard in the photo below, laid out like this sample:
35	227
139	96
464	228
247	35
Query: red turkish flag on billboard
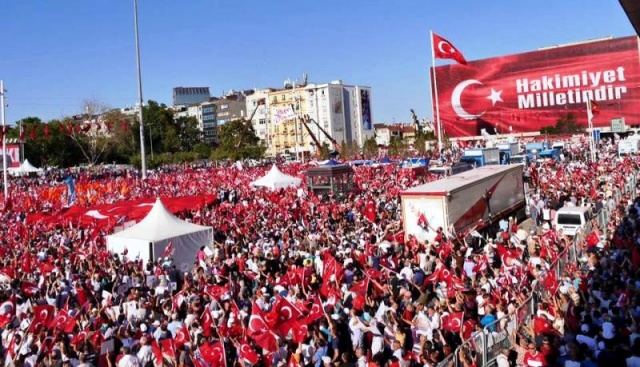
529	91
443	49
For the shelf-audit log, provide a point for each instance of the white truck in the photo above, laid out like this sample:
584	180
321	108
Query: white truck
459	203
628	146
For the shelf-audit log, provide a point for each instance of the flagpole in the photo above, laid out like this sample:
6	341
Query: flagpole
590	128
4	142
434	93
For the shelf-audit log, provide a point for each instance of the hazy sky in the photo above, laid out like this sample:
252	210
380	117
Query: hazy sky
55	54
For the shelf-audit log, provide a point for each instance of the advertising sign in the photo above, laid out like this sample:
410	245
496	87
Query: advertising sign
618	125
365	103
13	156
529	91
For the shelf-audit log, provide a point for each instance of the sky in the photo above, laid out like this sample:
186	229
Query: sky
56	54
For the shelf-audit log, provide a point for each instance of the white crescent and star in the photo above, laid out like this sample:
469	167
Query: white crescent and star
450	49
456	96
285	313
455	321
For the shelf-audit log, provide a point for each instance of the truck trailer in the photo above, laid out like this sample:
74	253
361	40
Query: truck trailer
481	157
476	199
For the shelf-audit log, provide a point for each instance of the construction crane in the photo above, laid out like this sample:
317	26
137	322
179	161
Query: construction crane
316	142
247	122
333	141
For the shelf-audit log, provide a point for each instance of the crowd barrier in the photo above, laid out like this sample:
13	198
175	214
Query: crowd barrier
489	343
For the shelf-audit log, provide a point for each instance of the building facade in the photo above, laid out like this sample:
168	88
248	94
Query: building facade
337	113
230	107
257	111
185	96
384	133
205	114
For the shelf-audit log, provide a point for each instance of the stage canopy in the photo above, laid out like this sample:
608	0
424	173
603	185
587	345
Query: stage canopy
275	179
25	168
148	239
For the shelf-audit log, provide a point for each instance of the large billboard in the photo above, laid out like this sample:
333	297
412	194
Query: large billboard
13	156
526	92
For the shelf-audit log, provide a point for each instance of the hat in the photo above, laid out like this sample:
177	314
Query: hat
584	328
156	323
326	359
143	328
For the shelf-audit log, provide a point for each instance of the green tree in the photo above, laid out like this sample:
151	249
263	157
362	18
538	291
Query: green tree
188	133
202	150
325	151
567	124
370	147
237	141
397	147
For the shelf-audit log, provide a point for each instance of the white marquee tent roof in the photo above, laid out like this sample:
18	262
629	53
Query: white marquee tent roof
27	167
275	179
159	225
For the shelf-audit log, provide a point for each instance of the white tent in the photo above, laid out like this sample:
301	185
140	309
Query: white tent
25	168
275	179
148	239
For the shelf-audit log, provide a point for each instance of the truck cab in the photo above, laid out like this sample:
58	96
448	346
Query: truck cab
481	157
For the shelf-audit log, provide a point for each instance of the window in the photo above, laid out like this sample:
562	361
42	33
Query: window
208	110
208	117
224	106
262	121
283	98
221	114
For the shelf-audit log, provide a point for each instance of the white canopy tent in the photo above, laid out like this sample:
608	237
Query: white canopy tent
275	179
25	168
148	239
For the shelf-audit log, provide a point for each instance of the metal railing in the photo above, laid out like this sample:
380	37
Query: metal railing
489	344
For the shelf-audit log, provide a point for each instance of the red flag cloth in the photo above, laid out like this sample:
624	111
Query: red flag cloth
207	321
46	131
249	354
213	354
168	251
22	133
453	321
32	134
182	336
157	352
595	108
29	289
168	348
43	316
316	311
370	211
63	321
443	49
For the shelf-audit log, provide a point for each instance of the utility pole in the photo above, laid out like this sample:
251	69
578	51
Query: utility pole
4	142
143	156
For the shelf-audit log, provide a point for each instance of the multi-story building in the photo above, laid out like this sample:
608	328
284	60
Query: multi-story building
384	133
230	107
185	96
257	111
340	111
205	114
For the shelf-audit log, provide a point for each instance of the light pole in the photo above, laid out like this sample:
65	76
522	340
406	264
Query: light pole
4	142
143	157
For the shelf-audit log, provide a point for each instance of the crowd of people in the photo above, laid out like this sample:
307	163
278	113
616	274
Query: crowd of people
294	279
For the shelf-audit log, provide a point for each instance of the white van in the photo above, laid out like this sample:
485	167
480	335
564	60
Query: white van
573	219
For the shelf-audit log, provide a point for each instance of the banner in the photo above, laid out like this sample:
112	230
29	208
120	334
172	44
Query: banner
529	91
13	156
283	113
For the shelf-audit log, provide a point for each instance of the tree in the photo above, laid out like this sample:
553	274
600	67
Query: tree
566	124
237	141
397	146
370	147
188	133
86	132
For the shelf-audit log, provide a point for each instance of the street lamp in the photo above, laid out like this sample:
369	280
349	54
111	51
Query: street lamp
143	158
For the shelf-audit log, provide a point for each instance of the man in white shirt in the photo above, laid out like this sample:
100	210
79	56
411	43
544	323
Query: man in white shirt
128	359
145	354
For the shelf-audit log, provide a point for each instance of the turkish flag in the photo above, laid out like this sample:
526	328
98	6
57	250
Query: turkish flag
453	321
316	312
182	336
63	321
443	49
213	354
207	321
43	316
595	108
46	131
29	289
247	353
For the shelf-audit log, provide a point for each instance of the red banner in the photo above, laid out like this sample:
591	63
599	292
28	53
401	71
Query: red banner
526	92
